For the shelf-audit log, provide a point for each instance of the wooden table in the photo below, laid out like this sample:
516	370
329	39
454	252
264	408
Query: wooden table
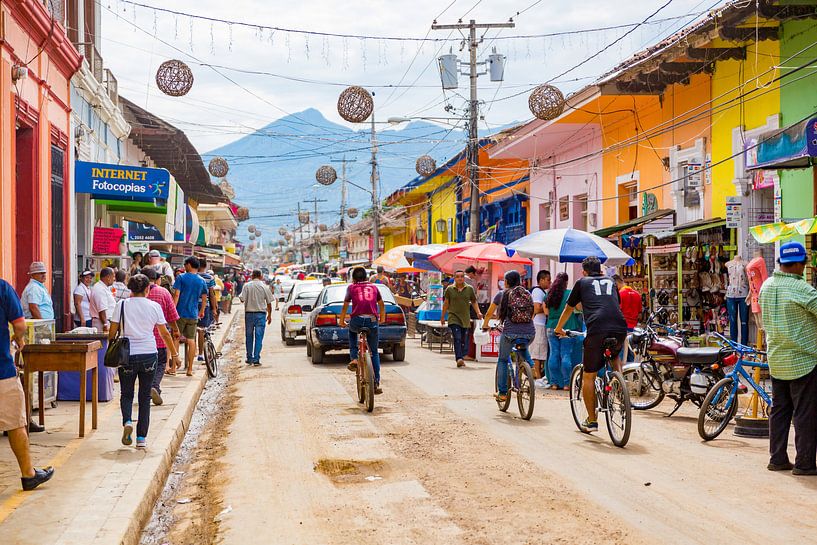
63	356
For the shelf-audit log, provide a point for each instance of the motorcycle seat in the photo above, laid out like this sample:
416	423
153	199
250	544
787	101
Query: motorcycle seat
704	355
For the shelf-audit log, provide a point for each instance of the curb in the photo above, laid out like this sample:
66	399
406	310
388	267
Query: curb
132	532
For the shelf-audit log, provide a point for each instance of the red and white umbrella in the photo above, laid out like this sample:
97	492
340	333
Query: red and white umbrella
443	258
492	253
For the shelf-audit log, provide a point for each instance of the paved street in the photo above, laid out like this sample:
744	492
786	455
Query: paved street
436	462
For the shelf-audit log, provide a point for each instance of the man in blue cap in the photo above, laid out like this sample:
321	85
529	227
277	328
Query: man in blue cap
788	305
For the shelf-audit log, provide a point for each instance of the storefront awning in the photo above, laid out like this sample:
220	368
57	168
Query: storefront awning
789	148
772	232
691	227
658	214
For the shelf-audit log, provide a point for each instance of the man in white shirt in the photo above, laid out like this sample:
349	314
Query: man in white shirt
160	265
82	299
539	347
102	300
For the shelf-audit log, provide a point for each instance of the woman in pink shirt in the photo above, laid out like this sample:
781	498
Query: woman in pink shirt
368	310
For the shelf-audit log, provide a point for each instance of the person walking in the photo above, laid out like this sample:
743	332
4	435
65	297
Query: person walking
631	306
120	288
162	297
257	299
190	297
539	346
788	305
382	278
210	310
13	419
36	299
458	301
82	299
138	316
102	300
560	358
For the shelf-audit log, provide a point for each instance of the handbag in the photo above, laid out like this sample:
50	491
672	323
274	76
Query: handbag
118	351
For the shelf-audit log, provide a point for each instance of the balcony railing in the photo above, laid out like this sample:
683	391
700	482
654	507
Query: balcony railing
112	86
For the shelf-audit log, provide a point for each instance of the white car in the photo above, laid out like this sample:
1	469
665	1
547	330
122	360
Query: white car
296	308
286	286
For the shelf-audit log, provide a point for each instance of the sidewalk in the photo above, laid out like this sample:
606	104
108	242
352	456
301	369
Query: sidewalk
102	492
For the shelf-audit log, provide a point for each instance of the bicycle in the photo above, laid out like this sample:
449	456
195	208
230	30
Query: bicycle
520	381
720	404
211	356
612	396
364	371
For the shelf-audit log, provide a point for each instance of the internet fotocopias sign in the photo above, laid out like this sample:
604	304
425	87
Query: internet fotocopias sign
106	180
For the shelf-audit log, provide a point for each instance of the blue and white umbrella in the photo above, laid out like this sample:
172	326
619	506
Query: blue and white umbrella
570	246
420	255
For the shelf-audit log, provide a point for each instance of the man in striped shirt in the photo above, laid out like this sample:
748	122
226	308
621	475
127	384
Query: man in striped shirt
789	308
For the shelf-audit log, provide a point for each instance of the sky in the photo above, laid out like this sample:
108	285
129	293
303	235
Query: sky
231	98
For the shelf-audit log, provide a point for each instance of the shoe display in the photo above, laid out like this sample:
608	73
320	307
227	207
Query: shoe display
40	476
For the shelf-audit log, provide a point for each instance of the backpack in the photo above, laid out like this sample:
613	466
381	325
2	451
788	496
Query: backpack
519	306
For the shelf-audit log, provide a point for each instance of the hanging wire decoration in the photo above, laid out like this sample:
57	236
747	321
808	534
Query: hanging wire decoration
282	231
251	228
322	227
352	213
546	102
174	78
252	237
218	167
425	165
326	175
303	217
355	104
258	232
242	213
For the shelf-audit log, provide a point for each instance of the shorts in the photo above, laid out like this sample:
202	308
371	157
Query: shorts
208	317
187	327
12	405
594	350
539	347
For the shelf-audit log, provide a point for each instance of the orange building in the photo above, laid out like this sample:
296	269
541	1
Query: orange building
36	65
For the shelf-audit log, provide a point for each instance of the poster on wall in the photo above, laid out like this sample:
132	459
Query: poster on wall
144	232
106	241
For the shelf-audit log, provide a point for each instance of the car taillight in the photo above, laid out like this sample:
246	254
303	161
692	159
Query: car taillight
294	309
326	319
395	318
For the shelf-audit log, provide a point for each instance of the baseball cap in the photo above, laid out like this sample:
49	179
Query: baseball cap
792	252
154	253
36	267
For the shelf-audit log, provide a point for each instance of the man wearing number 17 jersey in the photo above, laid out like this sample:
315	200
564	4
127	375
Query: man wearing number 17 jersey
601	306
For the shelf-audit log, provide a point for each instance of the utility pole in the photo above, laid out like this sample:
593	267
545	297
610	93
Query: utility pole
300	231
375	200
314	222
343	189
472	152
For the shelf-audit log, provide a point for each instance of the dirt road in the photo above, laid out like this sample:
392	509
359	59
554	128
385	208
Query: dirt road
437	463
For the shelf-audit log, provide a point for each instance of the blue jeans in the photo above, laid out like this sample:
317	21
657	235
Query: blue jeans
462	340
143	367
355	325
254	325
506	343
736	307
159	374
630	354
560	359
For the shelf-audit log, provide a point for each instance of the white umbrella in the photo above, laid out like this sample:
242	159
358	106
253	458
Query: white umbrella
569	246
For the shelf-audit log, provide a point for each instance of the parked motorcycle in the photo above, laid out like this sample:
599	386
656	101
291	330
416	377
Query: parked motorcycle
666	366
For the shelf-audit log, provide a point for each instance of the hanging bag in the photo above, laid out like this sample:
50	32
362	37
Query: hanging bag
118	352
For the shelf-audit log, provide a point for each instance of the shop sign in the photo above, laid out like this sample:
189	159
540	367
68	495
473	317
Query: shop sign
694	175
733	212
344	254
108	180
811	137
143	232
666	249
106	240
142	247
764	179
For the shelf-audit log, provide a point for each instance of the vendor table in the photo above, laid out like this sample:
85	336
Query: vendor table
432	329
68	388
63	356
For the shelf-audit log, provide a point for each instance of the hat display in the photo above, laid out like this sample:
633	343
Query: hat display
792	252
37	267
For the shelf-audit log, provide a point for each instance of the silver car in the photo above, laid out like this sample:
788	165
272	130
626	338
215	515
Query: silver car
296	307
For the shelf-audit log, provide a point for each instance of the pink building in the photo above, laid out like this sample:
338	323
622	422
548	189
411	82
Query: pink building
565	177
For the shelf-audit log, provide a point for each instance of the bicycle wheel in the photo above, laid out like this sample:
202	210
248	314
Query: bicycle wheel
360	383
503	405
644	386
718	408
526	395
211	359
619	414
577	407
368	383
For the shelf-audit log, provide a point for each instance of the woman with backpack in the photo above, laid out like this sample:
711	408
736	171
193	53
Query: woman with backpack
514	305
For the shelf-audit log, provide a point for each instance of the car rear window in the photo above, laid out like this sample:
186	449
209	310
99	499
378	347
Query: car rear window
336	292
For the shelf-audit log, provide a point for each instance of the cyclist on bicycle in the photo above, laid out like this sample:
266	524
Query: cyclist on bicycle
368	310
515	306
599	298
